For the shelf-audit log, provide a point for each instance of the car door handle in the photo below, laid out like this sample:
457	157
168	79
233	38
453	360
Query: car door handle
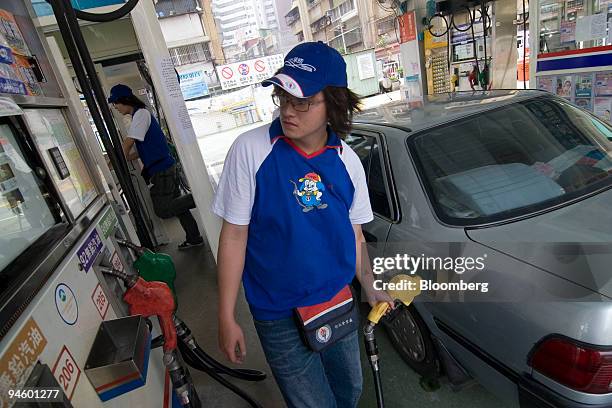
369	237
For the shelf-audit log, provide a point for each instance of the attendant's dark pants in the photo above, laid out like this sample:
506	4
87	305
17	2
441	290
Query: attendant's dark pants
168	202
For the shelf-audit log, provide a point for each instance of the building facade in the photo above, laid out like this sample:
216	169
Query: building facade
340	25
189	29
248	28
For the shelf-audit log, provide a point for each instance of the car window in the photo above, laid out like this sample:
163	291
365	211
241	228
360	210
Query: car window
367	148
520	158
362	145
376	184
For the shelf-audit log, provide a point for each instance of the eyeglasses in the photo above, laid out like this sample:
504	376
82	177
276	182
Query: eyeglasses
299	104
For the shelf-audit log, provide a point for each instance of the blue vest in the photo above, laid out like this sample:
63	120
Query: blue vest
301	245
153	150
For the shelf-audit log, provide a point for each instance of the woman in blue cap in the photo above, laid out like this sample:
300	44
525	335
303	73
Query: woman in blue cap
159	168
296	257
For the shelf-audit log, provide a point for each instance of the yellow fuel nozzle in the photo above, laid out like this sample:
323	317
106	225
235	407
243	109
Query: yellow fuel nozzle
403	288
377	312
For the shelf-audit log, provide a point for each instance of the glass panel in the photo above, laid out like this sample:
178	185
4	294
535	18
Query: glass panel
376	185
514	160
361	145
42	8
52	135
573	24
24	213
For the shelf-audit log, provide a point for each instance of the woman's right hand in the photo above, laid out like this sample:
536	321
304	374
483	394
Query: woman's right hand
231	340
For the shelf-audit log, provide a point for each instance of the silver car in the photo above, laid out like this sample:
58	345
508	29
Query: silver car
522	178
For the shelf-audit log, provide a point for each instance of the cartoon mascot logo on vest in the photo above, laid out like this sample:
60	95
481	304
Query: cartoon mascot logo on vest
308	195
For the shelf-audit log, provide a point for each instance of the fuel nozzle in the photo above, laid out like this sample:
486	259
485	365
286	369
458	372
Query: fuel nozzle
129	280
137	249
409	290
370	344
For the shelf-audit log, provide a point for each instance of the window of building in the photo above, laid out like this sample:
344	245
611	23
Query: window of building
292	17
573	24
385	25
343	9
169	8
190	54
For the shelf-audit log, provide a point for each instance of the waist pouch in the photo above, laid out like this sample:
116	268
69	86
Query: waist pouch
323	324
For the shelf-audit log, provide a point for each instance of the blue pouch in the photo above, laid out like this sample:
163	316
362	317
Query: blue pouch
324	324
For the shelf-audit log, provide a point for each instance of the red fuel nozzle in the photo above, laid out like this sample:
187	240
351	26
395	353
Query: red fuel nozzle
154	298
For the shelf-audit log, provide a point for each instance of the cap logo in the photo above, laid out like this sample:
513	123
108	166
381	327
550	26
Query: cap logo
290	85
297	62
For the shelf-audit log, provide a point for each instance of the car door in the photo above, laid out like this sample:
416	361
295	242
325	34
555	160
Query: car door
371	149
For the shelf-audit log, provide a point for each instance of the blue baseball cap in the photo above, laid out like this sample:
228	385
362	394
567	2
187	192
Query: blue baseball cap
119	91
309	68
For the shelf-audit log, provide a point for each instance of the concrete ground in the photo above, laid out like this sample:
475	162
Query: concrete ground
196	286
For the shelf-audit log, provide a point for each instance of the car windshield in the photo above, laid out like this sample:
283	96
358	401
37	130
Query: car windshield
513	160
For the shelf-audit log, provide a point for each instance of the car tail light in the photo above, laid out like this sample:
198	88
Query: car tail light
581	367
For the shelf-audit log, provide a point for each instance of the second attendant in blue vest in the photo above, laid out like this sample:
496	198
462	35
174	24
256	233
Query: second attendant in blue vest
159	166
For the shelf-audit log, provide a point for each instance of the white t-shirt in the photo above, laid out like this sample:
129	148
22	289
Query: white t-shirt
141	120
235	194
300	209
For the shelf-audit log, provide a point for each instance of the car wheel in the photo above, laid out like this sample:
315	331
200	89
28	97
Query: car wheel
412	340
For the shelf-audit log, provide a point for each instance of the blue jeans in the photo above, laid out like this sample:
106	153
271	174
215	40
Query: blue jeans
329	379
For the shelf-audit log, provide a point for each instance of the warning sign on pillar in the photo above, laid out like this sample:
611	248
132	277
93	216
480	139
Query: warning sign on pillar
407	27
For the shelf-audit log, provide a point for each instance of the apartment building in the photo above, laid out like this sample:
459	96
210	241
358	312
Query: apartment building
249	28
189	29
339	24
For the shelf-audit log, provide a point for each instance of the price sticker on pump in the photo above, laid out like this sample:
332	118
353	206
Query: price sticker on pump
67	372
116	262
100	301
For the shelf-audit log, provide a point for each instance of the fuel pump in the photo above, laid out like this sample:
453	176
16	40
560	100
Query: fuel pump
150	294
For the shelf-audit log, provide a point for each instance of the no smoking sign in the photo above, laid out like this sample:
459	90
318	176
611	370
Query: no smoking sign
260	66
227	72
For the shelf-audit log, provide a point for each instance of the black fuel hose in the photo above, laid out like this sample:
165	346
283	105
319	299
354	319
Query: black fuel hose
245	374
106	17
189	357
240	373
183	333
